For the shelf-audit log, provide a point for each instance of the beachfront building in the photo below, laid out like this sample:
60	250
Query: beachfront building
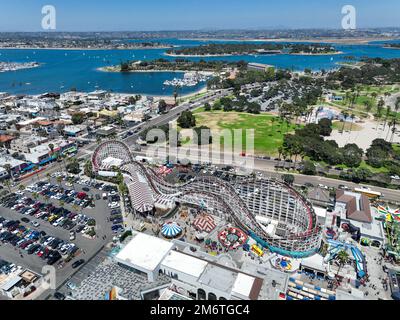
106	131
354	209
75	130
198	277
259	67
26	143
353	206
15	165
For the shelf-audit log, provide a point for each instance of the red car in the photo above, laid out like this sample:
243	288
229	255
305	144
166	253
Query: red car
81	195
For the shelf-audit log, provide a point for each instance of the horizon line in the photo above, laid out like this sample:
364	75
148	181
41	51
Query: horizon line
204	30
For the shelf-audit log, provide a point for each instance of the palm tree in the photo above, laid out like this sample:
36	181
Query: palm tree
345	116
176	93
368	105
397	104
342	257
379	111
387	114
21	187
59	180
352	117
51	147
7	167
393	124
347	96
71	181
35	169
35	195
7	183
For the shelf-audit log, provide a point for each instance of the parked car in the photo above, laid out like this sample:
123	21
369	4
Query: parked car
78	263
59	296
35	224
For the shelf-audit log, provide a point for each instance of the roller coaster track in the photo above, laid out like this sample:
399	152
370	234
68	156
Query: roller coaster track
222	192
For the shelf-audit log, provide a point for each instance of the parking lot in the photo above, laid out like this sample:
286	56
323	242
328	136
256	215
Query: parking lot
52	222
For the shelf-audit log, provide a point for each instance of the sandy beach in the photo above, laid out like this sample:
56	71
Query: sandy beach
316	54
198	55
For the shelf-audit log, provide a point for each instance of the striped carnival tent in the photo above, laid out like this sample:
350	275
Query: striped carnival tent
204	223
171	230
140	193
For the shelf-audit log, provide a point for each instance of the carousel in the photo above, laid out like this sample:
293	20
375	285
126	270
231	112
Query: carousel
232	238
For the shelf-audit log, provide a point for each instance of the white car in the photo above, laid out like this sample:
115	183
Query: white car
114	205
35	224
71	285
46	243
72	236
85	229
58	221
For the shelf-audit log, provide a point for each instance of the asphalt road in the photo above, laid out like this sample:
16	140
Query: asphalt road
264	165
267	167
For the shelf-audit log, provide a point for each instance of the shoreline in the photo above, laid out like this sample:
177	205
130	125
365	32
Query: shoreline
238	55
395	48
105	69
317	40
199	55
86	49
316	54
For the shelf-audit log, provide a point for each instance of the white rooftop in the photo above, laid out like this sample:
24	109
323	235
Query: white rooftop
10	160
144	251
184	263
10	283
111	161
243	285
320	212
315	262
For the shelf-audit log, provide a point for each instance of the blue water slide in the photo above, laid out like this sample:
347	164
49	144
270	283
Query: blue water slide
360	262
358	256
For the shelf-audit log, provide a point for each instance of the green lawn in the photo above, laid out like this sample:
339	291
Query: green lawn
362	165
372	169
268	131
365	95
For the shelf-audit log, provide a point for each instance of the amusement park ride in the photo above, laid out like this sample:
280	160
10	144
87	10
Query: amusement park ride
274	200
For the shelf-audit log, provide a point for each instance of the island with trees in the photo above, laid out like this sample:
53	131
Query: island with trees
183	65
395	45
237	49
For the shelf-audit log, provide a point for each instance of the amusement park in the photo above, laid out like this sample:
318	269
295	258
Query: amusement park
241	220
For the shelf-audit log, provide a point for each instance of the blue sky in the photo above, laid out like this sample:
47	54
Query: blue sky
110	15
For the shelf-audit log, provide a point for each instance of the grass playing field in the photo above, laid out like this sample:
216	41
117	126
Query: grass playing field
268	130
